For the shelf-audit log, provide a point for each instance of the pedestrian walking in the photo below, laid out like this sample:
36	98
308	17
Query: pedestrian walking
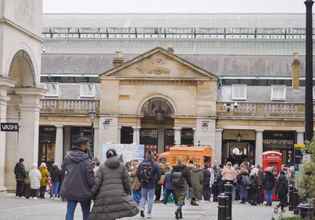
282	189
135	183
269	183
112	191
229	174
167	185
253	188
197	176
244	183
78	179
206	183
44	179
180	178
149	174
35	177
56	176
20	175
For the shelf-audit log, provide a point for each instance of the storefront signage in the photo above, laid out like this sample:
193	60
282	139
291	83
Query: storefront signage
9	127
107	122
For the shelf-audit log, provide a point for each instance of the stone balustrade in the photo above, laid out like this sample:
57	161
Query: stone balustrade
260	110
71	106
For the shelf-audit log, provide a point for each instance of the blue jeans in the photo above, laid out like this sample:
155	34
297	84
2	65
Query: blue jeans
55	189
85	206
268	197
147	196
243	194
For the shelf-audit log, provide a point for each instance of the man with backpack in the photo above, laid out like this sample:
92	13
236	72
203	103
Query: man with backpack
149	174
180	177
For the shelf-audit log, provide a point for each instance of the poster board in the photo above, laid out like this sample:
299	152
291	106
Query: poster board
129	151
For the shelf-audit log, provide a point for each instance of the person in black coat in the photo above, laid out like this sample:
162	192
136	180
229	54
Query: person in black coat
253	189
282	190
206	183
20	175
268	183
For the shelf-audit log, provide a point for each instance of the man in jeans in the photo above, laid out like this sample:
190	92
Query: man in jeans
78	179
149	174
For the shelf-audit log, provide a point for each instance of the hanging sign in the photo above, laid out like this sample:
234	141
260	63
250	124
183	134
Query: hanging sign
9	127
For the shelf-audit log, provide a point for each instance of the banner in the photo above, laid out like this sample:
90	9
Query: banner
128	151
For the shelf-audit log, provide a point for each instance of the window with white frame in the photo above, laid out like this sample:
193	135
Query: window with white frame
239	92
278	93
87	90
52	89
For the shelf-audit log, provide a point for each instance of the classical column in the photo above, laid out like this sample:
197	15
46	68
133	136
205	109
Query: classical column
3	115
4	85
59	145
97	147
29	124
300	137
118	134
136	135
218	145
259	147
177	135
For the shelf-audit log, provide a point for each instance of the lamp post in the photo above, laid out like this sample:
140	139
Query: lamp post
92	117
309	71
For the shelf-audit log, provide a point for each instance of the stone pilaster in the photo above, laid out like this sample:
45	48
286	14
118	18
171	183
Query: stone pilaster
218	146
59	145
177	135
259	147
136	135
97	147
205	132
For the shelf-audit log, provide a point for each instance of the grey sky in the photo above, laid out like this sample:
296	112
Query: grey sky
179	6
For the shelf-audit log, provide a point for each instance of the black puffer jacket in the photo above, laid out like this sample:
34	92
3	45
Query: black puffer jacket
19	171
78	176
112	192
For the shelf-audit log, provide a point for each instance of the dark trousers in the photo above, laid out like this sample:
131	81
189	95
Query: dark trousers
34	193
85	207
19	188
158	192
206	193
42	191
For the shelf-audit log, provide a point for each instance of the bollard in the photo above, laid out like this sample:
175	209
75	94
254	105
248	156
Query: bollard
296	201
228	189
306	211
222	206
291	205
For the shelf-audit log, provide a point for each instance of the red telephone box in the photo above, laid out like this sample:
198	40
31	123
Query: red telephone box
272	159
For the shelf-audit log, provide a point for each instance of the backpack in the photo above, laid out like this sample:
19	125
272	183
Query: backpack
177	178
146	172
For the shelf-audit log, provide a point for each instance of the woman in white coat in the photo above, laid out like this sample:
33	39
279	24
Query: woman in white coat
35	177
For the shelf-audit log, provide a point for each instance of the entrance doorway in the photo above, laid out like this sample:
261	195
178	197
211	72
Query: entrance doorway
157	124
238	146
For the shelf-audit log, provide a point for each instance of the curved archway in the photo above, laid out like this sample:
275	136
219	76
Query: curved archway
157	123
170	102
22	70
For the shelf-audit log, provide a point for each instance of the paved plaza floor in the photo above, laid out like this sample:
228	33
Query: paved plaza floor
29	209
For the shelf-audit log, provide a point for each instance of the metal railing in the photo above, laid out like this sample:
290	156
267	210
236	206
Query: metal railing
73	106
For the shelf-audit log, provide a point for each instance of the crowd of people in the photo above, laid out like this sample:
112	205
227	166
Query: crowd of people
119	190
37	181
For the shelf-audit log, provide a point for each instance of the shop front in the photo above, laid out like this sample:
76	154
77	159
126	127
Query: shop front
281	141
47	144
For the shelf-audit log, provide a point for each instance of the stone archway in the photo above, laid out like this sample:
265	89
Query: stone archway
157	123
23	107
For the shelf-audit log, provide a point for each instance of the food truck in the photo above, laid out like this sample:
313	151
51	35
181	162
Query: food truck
199	155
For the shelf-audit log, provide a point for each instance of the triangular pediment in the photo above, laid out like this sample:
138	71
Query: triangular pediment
158	64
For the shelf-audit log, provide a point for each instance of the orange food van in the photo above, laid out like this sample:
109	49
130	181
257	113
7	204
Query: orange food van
197	154
272	159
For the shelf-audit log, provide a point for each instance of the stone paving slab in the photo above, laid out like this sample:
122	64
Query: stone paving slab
29	209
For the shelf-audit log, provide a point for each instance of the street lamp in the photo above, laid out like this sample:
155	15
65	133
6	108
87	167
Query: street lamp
309	71
92	117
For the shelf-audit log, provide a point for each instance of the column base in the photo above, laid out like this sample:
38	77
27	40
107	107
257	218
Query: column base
3	189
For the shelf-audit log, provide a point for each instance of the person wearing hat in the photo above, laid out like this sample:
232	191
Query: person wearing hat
20	175
79	179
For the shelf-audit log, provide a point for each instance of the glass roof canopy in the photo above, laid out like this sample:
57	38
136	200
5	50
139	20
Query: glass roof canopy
173	33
